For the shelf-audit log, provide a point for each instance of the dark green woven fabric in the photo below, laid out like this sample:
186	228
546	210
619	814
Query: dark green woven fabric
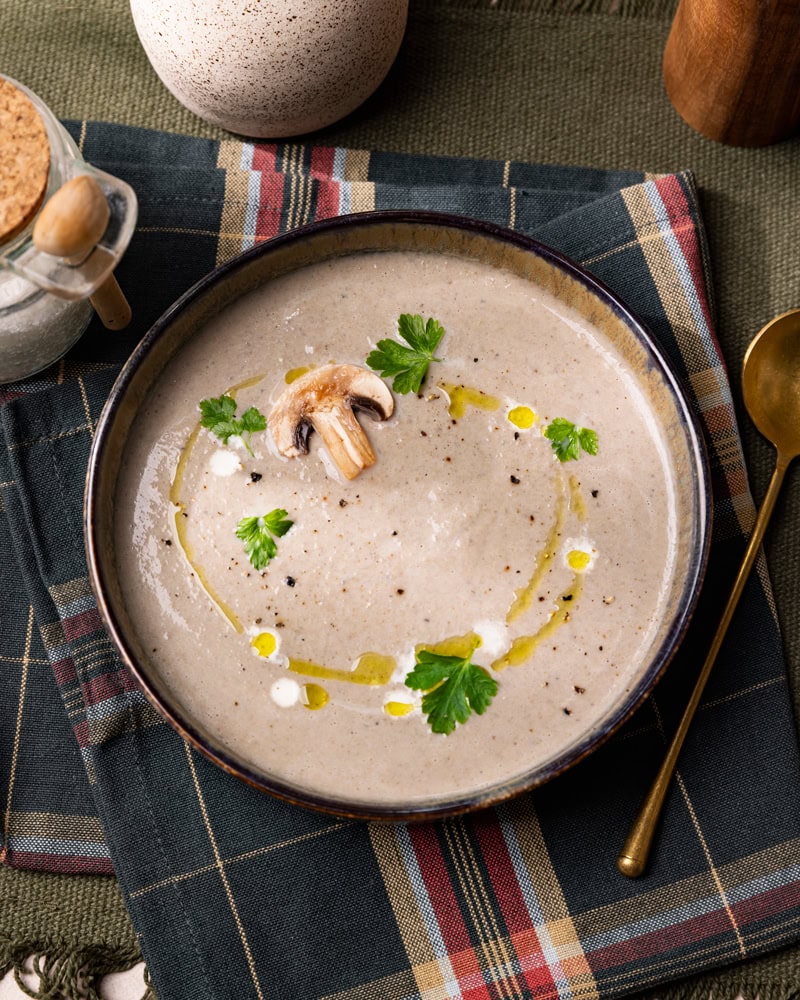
551	82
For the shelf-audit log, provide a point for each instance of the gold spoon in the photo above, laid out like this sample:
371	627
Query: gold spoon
771	387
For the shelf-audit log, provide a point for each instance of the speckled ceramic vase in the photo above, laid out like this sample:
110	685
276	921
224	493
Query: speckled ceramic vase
271	68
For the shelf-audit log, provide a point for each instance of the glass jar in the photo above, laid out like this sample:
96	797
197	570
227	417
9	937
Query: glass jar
36	328
44	300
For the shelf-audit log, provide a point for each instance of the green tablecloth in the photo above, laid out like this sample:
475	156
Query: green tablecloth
549	82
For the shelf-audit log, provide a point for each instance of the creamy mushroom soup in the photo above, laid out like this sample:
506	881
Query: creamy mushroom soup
310	622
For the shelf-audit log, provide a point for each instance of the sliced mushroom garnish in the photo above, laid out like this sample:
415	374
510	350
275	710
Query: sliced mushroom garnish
324	400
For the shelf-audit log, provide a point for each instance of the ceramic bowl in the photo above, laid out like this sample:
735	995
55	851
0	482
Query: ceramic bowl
333	241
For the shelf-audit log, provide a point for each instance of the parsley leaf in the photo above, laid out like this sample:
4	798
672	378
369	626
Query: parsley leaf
259	533
408	365
218	415
253	420
568	440
453	688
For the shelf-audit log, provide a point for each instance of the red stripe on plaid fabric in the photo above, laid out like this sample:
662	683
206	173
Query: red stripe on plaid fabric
661	941
471	985
452	928
677	206
82	624
268	218
264	156
328	199
767	904
533	964
718	419
65	672
501	872
60	864
108	686
322	162
8	395
440	890
82	733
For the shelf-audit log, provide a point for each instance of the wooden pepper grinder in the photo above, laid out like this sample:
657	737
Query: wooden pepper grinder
732	69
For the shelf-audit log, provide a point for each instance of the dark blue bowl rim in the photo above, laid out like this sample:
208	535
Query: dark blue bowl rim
485	796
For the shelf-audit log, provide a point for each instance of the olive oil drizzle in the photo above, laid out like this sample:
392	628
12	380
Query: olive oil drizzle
293	374
456	645
181	513
522	416
462	396
524	646
315	697
576	500
372	669
523	597
397	709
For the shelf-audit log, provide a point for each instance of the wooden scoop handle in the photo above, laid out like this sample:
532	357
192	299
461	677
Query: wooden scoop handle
111	305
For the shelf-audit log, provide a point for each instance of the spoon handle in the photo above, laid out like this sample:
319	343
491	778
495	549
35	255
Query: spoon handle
632	858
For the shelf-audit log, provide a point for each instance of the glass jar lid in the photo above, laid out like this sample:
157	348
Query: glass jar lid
24	160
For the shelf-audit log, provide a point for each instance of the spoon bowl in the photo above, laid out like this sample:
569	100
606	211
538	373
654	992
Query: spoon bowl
771	382
771	389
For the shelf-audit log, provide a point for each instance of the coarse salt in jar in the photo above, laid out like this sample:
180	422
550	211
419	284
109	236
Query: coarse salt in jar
47	291
36	328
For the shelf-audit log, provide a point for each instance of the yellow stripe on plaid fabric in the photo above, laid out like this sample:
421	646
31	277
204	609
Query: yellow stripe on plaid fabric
512	196
693	900
719	887
9	816
401	893
229	154
298	212
660	261
362	196
232	219
244	191
361	190
658	243
711	391
356	165
395	986
714	871
57	825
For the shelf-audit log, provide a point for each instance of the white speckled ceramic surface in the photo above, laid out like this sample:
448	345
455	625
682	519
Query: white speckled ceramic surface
271	68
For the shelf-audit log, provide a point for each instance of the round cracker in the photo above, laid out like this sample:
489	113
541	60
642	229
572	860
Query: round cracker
24	160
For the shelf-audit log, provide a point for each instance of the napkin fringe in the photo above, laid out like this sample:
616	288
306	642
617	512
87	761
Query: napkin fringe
707	989
64	970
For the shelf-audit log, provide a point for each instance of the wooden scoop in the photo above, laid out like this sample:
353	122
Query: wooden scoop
70	225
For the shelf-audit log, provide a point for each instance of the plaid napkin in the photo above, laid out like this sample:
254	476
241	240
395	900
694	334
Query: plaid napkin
235	894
